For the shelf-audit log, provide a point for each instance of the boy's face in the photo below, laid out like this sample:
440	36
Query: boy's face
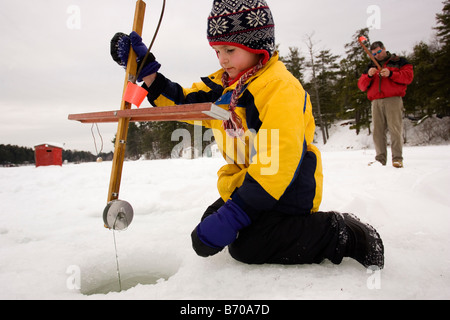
235	60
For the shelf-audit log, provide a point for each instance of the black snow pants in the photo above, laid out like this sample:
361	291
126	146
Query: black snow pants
278	238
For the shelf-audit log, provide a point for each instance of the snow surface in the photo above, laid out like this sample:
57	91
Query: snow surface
52	238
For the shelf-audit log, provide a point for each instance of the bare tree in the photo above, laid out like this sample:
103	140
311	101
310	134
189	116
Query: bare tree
310	45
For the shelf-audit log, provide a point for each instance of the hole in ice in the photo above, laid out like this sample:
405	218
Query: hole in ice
128	281
151	269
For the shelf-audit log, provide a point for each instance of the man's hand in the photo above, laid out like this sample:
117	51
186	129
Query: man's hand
385	72
372	72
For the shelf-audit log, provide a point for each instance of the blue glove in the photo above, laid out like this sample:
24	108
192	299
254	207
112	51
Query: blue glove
120	50
219	229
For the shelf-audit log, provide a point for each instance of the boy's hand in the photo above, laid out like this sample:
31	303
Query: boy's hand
120	50
219	229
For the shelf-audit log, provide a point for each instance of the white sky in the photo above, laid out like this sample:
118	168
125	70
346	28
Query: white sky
52	65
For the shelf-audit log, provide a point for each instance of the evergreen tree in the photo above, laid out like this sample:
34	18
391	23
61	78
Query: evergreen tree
14	155
295	63
441	98
355	102
154	139
419	98
327	76
443	28
134	141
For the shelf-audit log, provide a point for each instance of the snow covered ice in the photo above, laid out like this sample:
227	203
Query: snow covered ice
53	244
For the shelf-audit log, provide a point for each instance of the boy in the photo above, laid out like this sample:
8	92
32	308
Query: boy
268	211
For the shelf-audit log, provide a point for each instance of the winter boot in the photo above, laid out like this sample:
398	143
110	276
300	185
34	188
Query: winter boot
364	243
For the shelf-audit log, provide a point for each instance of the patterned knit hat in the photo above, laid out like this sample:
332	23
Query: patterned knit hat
243	23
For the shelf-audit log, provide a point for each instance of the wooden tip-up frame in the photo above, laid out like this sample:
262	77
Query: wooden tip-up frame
187	112
201	111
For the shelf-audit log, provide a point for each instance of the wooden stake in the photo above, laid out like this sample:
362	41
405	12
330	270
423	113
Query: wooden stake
122	129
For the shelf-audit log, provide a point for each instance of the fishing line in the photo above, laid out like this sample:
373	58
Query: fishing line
95	142
122	218
117	260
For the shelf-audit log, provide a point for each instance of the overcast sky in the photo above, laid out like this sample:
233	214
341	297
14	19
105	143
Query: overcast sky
54	54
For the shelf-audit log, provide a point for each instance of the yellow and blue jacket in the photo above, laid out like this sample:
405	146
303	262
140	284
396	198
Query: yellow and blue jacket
275	166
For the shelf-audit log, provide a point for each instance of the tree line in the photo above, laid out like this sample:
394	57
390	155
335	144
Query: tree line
12	155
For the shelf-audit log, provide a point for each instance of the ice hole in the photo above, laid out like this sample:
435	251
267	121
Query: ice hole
149	270
128	281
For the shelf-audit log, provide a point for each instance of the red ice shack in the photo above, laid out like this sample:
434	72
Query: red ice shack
48	154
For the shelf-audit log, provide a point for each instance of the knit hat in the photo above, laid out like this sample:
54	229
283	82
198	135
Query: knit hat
243	23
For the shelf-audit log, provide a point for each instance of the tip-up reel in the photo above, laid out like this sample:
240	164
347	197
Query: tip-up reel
118	215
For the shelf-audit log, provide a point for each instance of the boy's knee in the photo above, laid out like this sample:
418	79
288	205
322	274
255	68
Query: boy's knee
241	256
245	252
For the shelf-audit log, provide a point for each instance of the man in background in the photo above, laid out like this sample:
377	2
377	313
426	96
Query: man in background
386	89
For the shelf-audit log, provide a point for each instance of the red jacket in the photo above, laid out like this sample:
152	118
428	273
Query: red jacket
402	74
